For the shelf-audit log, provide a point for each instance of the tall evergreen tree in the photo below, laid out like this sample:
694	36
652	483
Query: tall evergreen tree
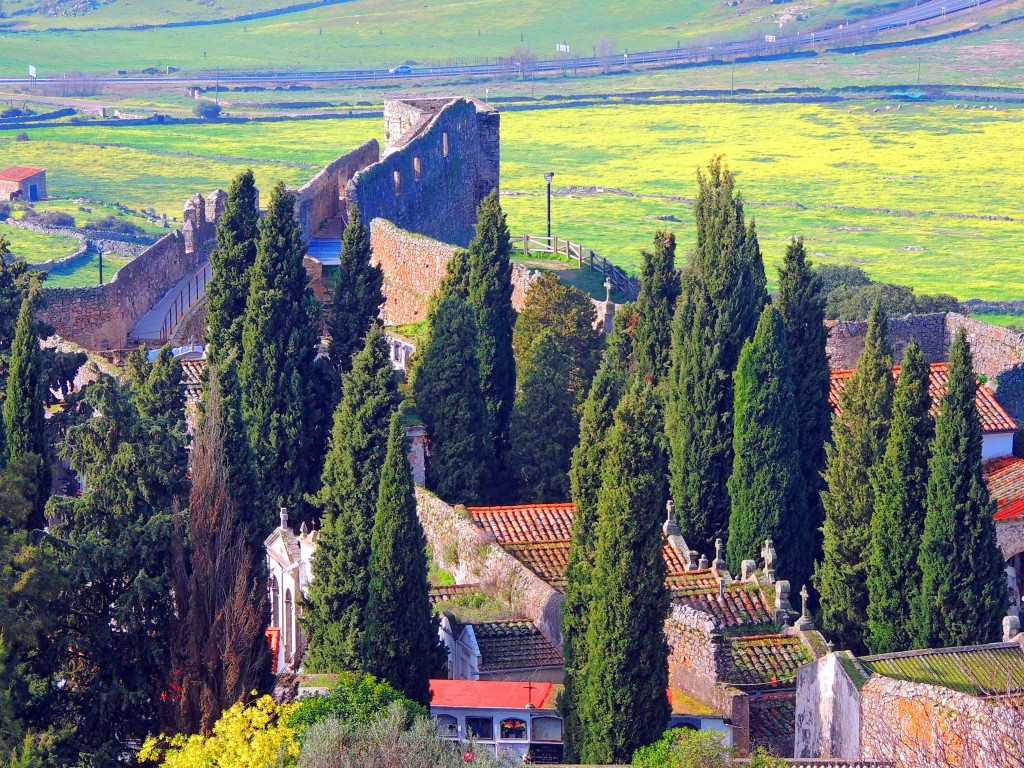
357	297
278	372
963	585
722	298
23	409
622	702
585	480
490	296
400	644
448	397
859	435
803	311
659	290
348	498
544	424
900	485
232	261
766	485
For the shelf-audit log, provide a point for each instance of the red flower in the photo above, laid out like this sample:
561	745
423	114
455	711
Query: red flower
468	757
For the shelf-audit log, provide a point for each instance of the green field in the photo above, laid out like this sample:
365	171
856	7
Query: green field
386	32
939	170
35	247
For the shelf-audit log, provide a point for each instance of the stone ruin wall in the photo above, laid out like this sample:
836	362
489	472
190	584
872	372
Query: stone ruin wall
323	197
998	352
103	316
417	185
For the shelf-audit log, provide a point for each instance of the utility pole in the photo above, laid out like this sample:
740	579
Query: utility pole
101	266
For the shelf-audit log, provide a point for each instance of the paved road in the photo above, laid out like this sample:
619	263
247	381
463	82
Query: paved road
844	34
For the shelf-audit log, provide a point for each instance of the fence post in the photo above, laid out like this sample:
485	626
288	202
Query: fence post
526	245
579	256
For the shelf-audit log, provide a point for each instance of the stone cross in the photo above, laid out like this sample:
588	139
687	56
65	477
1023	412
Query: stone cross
607	290
284	517
768	555
804	623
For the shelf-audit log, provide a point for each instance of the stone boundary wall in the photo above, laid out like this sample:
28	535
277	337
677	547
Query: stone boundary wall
460	547
102	317
322	197
433	184
414	266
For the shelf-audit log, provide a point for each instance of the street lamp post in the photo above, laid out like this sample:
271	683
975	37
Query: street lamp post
548	177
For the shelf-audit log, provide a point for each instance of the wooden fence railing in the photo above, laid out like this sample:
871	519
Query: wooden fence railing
583	256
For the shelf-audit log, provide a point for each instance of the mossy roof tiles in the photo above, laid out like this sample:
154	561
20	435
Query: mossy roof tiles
765	661
513	645
982	670
445	593
737	607
772	717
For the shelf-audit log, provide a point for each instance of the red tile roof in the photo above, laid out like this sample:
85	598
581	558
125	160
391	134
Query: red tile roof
1005	479
773	717
488	694
738	607
763	661
526	523
513	645
19	173
993	417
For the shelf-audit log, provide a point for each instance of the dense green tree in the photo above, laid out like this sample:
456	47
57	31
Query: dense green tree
722	298
555	306
348	500
544	424
802	309
859	435
357	297
23	408
963	584
659	290
232	262
400	644
900	484
448	397
585	480
766	485
622	704
278	371
490	296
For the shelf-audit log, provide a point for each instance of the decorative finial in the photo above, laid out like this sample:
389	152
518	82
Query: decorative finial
607	290
284	517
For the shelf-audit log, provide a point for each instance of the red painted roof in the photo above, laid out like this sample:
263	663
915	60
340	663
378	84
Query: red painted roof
19	173
993	417
1005	479
488	694
527	523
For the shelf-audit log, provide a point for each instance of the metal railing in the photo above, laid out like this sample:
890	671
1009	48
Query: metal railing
187	297
582	255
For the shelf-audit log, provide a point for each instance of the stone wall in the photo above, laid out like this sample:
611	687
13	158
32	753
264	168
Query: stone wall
827	710
460	547
102	317
322	198
436	173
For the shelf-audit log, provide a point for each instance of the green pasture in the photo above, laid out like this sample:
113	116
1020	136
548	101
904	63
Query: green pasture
917	183
85	271
36	247
387	32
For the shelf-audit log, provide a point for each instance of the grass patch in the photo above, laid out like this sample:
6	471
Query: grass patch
85	271
35	247
1006	320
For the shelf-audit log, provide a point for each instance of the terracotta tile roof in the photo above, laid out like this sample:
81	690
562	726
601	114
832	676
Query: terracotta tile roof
980	670
738	607
772	717
993	417
191	379
513	645
547	559
447	592
768	661
690	582
1005	479
19	173
526	523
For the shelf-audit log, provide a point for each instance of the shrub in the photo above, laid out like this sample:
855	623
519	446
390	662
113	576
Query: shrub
116	225
356	698
15	112
206	110
21	136
55	219
681	748
5	211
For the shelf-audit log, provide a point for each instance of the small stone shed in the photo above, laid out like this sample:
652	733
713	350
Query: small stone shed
22	182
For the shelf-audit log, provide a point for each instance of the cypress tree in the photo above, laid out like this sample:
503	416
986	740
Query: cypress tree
900	484
490	296
659	289
859	435
585	479
544	424
766	485
963	584
722	298
622	703
456	277
23	409
803	311
348	499
400	644
357	293
449	399
232	261
277	371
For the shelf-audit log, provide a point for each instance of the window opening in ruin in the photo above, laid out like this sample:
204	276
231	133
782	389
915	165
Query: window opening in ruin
444	143
416	167
398	183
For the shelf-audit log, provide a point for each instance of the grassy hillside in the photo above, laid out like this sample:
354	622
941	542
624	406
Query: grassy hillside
386	32
919	187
